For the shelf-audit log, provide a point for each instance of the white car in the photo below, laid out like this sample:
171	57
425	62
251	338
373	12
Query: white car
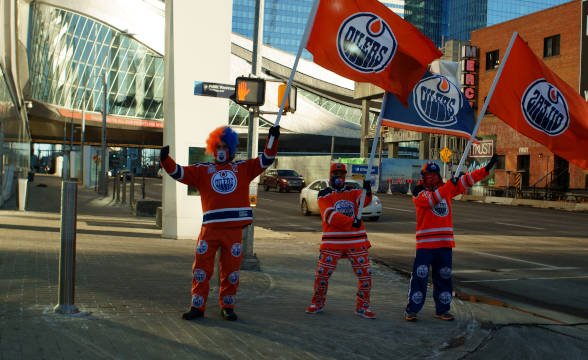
309	200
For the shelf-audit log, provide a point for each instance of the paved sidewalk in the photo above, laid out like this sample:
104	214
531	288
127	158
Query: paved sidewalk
132	286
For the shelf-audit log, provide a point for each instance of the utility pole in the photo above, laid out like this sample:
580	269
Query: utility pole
103	179
82	138
250	261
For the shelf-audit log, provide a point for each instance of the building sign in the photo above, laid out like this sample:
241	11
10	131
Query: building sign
469	75
484	148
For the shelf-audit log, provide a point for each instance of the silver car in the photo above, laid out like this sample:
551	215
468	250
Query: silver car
309	200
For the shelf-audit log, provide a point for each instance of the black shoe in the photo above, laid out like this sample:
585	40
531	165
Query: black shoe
192	314
228	314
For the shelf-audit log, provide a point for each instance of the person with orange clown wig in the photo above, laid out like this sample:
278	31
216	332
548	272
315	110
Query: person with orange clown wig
224	192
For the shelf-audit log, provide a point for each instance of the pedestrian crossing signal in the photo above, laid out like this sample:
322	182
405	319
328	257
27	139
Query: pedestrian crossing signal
249	91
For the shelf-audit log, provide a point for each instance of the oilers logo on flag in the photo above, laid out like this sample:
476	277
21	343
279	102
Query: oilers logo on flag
545	108
199	275
224	182
441	209
202	247
234	277
366	43
437	100
236	250
345	207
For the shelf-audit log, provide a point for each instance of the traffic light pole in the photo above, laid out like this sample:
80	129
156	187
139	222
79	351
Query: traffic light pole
250	261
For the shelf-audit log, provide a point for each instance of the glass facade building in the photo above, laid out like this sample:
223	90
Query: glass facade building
283	21
69	53
456	19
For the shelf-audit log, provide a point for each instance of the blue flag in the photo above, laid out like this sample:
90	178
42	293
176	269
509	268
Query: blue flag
435	105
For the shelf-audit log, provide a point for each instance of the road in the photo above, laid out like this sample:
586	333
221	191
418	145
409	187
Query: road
531	258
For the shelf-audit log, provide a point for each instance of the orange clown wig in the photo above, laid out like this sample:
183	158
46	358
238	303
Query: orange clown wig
226	135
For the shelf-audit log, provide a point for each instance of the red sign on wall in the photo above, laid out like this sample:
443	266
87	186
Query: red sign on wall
469	77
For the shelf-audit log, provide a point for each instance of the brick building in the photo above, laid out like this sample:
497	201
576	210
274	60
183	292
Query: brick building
560	38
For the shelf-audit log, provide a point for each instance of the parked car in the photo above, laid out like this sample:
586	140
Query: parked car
309	200
282	180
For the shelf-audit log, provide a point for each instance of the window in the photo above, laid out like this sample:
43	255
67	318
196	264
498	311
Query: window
492	59
551	46
315	186
500	162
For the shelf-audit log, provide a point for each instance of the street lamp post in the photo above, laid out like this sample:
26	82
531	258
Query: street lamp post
103	188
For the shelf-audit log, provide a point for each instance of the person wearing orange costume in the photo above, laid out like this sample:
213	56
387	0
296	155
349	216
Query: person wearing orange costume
224	192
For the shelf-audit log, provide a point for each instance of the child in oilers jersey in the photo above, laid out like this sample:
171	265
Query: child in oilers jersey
434	237
343	236
224	192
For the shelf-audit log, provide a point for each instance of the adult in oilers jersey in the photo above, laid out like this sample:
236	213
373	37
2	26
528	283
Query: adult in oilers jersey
224	192
343	236
434	237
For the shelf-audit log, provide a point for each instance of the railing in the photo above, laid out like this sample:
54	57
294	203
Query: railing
534	193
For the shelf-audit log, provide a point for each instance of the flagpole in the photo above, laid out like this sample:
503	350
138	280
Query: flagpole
483	112
373	152
303	43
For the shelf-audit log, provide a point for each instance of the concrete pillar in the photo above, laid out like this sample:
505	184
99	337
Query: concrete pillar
393	150
192	28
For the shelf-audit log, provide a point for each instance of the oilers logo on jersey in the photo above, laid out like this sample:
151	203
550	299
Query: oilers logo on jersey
345	207
441	209
224	182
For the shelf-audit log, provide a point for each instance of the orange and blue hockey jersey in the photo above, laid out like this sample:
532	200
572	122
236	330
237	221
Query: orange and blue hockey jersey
433	211
338	209
224	188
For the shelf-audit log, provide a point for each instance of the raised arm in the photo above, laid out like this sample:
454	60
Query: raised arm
267	157
185	174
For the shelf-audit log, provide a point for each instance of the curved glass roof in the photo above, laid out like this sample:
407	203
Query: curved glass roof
69	54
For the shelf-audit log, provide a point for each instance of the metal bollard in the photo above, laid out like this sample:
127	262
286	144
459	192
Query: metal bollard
132	191
124	189
67	255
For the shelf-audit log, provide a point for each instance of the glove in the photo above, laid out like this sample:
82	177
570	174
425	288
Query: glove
367	185
454	181
417	190
275	132
491	163
356	223
164	153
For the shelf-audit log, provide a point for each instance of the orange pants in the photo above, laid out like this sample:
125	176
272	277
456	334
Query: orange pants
360	262
209	240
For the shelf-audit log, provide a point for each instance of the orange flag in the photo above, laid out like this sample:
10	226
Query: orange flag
534	101
365	41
